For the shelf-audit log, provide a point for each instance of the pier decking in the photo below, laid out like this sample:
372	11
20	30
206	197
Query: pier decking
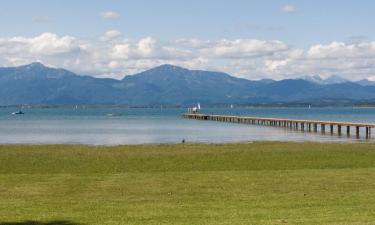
303	125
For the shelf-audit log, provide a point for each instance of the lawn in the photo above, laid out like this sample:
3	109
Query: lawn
256	183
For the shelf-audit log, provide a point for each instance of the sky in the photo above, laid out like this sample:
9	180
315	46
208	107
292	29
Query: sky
245	38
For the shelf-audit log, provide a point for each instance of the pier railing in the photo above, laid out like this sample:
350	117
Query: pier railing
303	125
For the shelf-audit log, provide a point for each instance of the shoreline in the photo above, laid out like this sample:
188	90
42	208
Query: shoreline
358	142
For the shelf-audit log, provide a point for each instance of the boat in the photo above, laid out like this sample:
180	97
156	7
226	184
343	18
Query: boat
113	114
195	109
18	113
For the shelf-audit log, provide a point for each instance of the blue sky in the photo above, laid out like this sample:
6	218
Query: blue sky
292	32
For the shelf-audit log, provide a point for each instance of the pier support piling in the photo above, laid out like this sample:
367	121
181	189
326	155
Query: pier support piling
357	131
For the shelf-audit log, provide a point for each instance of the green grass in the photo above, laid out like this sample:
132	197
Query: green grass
258	183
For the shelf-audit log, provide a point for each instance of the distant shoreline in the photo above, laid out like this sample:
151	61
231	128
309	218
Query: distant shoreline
187	143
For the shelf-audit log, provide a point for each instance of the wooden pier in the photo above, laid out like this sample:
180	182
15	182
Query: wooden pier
303	125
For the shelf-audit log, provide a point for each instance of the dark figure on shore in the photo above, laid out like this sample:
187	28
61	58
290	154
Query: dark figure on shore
183	141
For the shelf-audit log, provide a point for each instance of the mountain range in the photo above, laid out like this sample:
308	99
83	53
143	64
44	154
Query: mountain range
36	84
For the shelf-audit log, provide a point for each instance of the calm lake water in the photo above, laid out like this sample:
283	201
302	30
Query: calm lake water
138	126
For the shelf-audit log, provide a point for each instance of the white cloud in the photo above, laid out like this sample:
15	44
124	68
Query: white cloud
342	49
121	50
109	15
146	46
248	58
288	8
243	48
352	61
111	34
44	44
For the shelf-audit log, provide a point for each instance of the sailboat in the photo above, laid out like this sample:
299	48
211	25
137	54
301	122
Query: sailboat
196	108
18	113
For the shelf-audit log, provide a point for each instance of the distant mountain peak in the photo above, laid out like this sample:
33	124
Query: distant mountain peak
36	64
162	71
366	82
169	67
166	85
266	81
313	78
35	70
334	79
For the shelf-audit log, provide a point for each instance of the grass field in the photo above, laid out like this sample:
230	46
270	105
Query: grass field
258	183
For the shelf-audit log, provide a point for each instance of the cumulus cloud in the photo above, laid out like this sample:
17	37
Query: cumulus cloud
150	49
335	49
47	47
243	48
109	14
146	46
288	8
115	56
44	44
111	34
352	61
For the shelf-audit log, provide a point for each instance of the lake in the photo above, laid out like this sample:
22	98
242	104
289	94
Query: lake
113	126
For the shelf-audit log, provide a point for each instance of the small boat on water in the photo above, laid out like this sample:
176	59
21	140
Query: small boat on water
18	113
195	109
113	114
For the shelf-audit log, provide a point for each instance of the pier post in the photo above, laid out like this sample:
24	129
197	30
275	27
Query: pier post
367	132
357	131
331	128
339	130
348	130
323	128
